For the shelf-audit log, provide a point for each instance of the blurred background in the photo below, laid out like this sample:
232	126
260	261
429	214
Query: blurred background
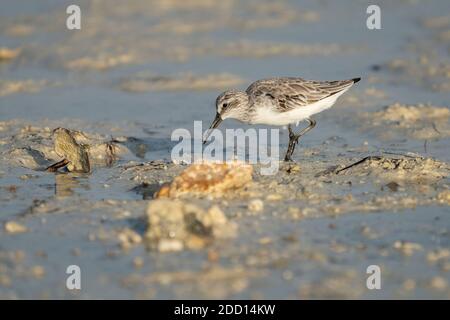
160	62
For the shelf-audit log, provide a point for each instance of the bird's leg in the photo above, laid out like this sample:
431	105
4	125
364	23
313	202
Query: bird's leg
291	147
312	124
293	138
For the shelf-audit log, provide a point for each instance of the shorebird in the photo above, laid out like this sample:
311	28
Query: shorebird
280	102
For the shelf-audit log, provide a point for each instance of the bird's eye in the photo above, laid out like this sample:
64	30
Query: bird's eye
224	105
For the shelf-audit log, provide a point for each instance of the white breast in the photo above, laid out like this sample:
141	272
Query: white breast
266	114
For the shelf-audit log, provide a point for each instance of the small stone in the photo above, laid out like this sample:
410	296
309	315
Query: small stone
38	271
444	197
393	186
295	213
76	252
174	225
265	240
256	205
138	262
213	256
407	248
8	54
168	245
437	255
438	283
274	197
15	227
128	238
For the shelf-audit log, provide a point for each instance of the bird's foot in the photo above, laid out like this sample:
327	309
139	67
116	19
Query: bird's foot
288	158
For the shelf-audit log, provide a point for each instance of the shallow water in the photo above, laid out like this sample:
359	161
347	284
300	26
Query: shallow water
324	256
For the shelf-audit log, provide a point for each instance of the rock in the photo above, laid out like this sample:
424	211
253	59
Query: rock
98	147
138	262
106	151
128	238
274	197
294	213
212	179
37	271
15	227
444	197
29	158
174	225
168	245
8	54
438	283
256	205
393	186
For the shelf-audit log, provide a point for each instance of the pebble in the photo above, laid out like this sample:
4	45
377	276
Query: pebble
38	271
407	248
274	197
138	262
174	225
15	227
437	255
256	205
168	245
438	283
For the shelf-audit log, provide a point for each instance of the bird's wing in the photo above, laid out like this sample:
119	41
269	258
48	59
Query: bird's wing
291	93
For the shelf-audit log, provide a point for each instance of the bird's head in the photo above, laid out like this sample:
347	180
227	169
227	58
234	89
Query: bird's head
229	104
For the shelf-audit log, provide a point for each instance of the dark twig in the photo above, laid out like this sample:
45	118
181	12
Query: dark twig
359	162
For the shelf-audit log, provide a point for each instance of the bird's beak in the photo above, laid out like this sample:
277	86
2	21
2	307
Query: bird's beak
214	124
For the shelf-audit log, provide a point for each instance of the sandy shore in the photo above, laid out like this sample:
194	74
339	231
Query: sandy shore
370	184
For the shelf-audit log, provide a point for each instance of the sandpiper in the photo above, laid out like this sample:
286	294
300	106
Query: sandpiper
279	101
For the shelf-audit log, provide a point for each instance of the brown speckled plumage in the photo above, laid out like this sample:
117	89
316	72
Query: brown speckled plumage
289	93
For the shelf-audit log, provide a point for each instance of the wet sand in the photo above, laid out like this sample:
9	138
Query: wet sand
369	186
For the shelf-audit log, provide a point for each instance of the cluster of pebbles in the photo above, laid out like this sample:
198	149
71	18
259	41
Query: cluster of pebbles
174	225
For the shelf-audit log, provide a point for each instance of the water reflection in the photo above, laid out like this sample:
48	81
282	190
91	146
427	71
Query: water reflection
66	184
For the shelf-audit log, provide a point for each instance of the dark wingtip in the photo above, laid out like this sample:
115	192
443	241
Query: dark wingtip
355	80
